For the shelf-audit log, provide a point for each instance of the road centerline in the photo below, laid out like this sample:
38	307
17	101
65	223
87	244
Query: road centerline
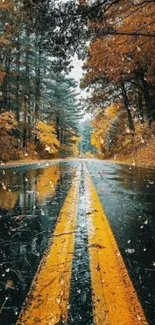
48	298
80	293
115	301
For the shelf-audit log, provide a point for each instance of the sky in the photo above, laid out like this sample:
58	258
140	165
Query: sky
77	73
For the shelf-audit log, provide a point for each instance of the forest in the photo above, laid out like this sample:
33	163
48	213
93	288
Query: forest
38	100
40	110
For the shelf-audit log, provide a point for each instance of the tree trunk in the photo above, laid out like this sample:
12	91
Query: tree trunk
147	99
26	98
5	83
25	124
140	105
126	103
57	126
18	82
38	76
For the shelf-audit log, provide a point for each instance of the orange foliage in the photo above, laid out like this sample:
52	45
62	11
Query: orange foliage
6	5
2	76
119	56
4	41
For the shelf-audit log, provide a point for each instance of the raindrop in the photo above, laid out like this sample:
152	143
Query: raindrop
62	281
78	291
150	182
3	186
68	306
130	250
138	49
58	300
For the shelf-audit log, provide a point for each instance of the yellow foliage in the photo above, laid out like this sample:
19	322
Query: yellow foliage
8	200
46	135
75	146
75	150
102	124
97	139
76	138
112	111
89	154
127	141
46	184
8	122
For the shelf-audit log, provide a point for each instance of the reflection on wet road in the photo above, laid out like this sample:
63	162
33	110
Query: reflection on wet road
31	199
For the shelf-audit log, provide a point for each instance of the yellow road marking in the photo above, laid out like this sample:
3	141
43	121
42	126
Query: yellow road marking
114	298
47	301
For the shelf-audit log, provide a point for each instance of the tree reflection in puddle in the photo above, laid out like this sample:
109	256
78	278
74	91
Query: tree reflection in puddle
30	201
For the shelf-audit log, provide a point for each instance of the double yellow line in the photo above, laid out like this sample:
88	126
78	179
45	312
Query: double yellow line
114	299
47	301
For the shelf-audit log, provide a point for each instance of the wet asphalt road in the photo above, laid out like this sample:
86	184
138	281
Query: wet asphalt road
30	201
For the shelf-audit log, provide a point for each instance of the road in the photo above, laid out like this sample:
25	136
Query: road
77	244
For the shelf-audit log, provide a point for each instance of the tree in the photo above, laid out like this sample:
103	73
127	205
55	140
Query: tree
124	63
